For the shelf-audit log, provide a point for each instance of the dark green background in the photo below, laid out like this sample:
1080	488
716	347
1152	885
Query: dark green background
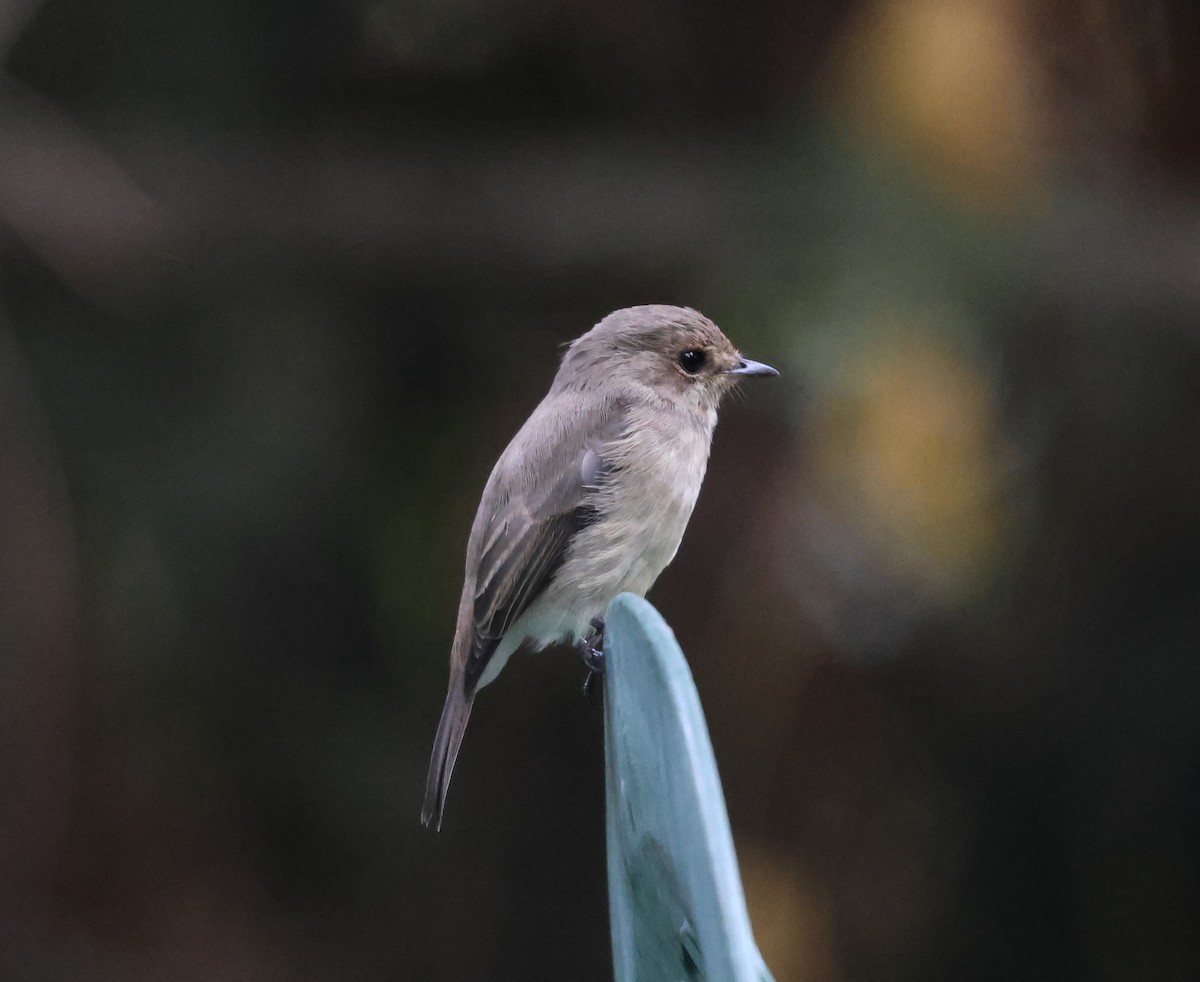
279	280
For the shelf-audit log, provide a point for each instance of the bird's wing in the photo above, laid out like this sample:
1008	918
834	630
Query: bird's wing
526	529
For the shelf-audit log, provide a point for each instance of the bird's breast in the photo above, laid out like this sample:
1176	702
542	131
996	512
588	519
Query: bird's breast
642	511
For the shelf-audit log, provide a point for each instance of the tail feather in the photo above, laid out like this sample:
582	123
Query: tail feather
453	724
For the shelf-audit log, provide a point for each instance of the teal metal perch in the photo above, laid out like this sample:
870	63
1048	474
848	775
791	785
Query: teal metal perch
675	893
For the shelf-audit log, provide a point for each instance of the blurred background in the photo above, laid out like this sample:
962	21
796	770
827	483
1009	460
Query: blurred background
278	281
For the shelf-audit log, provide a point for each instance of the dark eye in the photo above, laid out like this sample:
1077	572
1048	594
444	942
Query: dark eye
692	360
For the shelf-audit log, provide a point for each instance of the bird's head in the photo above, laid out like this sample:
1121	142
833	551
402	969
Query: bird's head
676	353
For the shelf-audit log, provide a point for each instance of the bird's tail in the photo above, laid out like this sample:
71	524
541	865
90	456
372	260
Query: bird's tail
451	728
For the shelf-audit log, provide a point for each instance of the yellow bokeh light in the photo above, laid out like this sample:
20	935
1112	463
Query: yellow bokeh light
909	453
954	86
792	926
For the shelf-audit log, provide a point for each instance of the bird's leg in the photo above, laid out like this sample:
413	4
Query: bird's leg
591	652
591	649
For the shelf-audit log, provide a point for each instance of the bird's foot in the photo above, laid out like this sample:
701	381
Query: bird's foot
591	653
591	648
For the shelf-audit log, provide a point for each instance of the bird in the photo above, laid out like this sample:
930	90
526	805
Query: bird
590	499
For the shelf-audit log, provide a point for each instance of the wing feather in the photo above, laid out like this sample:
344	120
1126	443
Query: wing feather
526	536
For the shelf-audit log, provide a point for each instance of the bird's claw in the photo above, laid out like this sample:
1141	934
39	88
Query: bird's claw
593	660
591	653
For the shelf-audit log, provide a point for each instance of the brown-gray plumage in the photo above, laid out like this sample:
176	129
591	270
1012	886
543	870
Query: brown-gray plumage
590	499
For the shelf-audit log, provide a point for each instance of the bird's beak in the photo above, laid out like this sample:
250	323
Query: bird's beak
744	366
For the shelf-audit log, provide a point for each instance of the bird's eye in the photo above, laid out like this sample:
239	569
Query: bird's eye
692	360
